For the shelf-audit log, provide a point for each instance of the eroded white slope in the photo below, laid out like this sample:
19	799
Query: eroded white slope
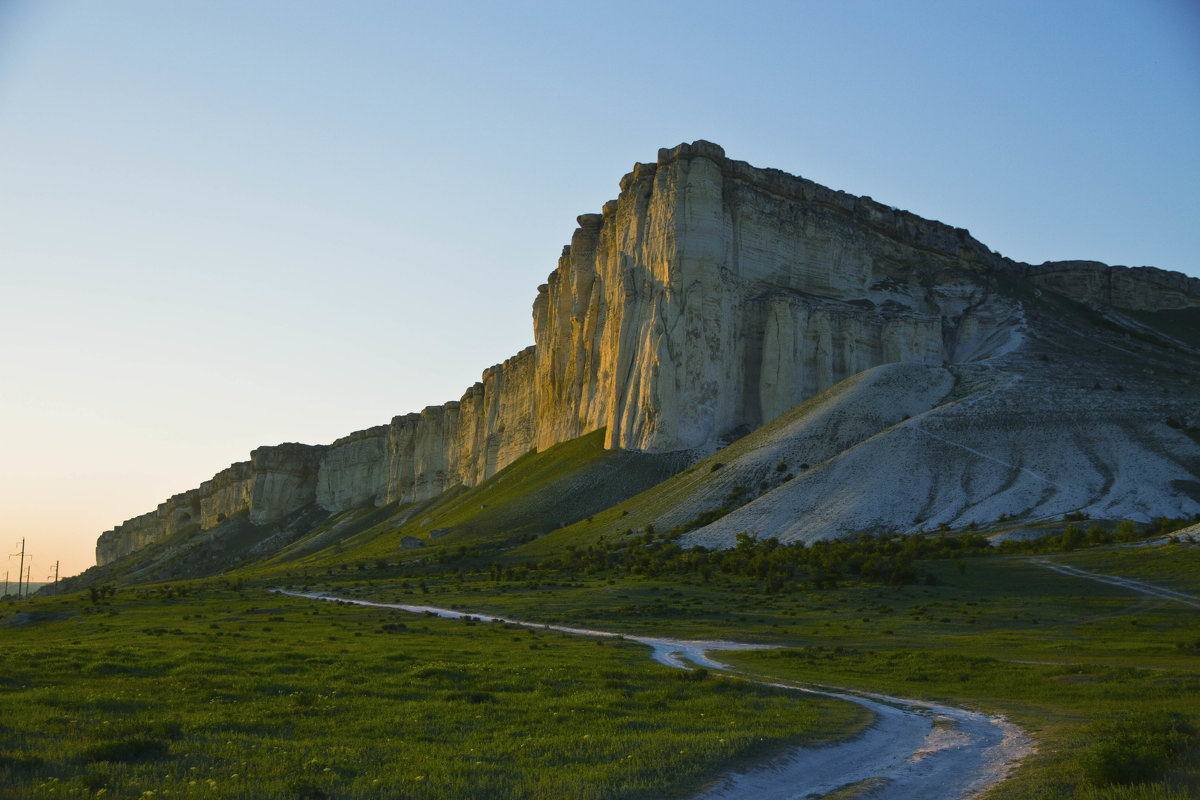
993	447
811	433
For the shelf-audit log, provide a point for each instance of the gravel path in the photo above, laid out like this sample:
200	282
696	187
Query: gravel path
912	751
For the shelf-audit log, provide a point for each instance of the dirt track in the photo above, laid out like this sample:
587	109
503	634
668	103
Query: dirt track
913	750
1140	587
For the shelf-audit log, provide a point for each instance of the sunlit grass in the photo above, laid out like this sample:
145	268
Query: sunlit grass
217	694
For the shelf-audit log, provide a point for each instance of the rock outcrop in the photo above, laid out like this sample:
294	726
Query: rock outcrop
273	483
1131	288
707	299
421	455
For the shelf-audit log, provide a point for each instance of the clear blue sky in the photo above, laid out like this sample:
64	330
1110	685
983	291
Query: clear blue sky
225	224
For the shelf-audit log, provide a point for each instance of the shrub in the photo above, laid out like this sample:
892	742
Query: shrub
1127	531
137	748
304	789
1072	538
1128	750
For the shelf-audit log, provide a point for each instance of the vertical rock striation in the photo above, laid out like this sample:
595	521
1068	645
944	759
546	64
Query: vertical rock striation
707	299
711	296
273	483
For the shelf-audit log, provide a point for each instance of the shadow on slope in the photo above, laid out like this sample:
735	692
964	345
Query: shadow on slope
194	553
908	447
537	493
775	455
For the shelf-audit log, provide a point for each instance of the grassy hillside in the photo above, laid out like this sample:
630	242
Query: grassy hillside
539	493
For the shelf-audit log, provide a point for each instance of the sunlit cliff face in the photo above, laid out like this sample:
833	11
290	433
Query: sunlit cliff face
706	300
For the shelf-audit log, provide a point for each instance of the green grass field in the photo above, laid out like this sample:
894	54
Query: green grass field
220	694
1083	666
222	689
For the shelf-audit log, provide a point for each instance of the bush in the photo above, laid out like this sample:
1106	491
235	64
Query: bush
1127	531
1126	751
1072	538
1097	535
304	789
137	748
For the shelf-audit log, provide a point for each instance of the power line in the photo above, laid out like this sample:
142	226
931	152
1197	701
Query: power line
21	568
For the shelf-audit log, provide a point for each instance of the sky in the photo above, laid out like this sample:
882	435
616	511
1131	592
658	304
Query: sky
228	224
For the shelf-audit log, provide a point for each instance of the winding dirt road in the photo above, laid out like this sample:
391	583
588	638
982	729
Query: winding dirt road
912	751
1141	587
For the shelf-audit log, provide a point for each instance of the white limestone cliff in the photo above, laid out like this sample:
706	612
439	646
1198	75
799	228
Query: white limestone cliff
704	301
273	483
711	295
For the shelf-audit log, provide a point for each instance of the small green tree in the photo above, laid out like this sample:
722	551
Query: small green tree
1072	538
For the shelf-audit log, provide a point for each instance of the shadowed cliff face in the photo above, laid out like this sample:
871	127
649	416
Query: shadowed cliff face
707	299
272	484
1130	288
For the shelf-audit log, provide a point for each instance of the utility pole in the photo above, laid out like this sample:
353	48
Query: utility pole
56	573
20	569
27	571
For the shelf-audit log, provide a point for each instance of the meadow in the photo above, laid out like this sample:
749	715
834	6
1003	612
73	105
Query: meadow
218	687
203	691
1106	681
